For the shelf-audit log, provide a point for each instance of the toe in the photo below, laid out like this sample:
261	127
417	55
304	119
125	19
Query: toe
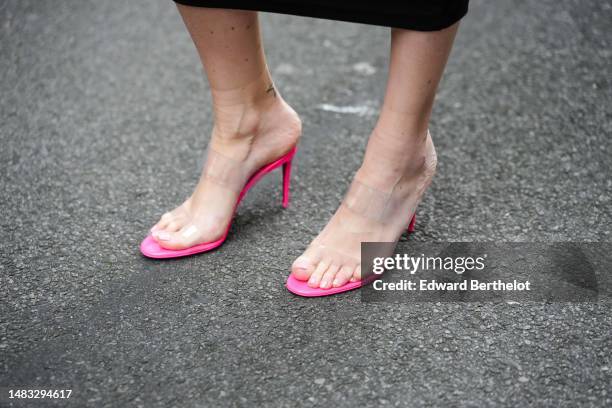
302	268
342	277
183	238
317	275
169	240
356	274
329	276
161	235
173	226
189	235
163	222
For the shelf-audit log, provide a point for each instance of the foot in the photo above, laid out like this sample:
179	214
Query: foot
244	139
377	208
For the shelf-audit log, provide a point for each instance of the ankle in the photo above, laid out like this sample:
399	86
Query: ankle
236	109
384	166
235	123
254	92
272	124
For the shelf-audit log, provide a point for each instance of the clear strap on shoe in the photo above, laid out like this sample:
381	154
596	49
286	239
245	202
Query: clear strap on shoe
225	171
367	201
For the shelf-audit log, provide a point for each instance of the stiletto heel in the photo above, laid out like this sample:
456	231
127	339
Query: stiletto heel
286	182
150	248
412	222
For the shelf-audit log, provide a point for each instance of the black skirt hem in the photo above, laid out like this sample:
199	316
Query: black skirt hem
454	12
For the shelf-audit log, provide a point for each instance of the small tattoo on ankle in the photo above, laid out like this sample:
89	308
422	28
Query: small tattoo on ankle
271	88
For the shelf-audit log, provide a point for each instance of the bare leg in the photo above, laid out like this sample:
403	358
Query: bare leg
253	124
398	166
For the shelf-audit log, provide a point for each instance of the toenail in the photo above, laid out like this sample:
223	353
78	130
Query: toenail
301	263
324	284
163	236
336	282
191	230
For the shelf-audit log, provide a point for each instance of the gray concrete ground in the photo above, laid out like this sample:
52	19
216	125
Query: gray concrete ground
105	114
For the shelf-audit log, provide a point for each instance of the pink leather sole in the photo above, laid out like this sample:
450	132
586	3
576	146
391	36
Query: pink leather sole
301	288
151	249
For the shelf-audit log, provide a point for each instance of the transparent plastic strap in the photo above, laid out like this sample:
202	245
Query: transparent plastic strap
367	201
370	206
225	171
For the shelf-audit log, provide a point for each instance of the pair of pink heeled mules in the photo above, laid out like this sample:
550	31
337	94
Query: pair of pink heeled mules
151	249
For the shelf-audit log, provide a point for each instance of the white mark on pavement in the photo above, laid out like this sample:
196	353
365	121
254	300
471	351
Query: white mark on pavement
285	69
364	68
355	110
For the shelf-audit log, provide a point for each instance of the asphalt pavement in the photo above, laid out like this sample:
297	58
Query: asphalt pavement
105	114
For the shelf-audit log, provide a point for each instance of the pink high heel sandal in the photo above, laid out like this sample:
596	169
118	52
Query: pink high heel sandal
372	205
150	248
301	288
